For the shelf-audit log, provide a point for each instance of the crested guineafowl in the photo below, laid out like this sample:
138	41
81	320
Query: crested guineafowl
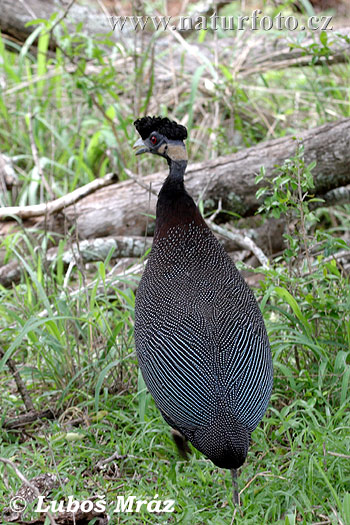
200	337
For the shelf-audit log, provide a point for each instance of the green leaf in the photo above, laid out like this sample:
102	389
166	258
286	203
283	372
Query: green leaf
324	38
346	508
328	483
30	325
27	44
284	294
260	192
344	393
37	21
43	46
194	87
142	395
74	436
101	378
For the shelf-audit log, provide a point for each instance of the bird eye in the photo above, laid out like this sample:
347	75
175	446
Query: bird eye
153	139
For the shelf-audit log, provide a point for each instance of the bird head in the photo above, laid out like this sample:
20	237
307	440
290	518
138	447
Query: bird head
161	136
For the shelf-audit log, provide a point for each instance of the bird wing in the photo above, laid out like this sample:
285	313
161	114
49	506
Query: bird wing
190	372
178	373
245	370
200	345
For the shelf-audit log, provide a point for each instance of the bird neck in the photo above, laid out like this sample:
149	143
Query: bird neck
177	170
173	187
175	207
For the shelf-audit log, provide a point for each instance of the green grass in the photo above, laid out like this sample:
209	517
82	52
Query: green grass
70	330
294	477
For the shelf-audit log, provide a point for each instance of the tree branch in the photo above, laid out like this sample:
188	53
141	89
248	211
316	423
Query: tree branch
243	240
33	489
28	403
48	208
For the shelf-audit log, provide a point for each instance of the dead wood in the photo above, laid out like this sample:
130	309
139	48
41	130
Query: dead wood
268	237
29	490
8	177
89	250
121	209
37	210
248	53
337	196
243	240
15	14
28	418
265	51
28	403
277	53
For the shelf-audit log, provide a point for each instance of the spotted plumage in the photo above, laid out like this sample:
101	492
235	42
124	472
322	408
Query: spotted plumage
200	337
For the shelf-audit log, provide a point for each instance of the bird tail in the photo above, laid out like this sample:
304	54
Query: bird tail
225	441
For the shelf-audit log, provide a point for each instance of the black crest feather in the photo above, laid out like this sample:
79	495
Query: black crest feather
171	129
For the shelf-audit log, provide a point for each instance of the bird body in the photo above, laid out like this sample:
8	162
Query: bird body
200	337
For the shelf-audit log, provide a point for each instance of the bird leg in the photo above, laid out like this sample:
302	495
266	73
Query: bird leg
181	443
235	486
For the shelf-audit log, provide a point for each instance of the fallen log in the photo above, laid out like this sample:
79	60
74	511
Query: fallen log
16	14
89	250
48	208
268	236
123	209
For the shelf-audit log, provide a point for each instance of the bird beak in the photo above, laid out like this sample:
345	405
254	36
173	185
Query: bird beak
142	147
